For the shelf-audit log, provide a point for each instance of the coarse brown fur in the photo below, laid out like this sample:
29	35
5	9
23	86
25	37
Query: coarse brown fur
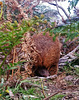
49	52
43	52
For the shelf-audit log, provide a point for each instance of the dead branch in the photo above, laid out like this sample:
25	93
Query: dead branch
20	9
14	4
43	78
32	6
69	57
58	9
61	9
52	95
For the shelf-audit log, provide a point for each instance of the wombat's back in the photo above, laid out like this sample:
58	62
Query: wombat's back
48	50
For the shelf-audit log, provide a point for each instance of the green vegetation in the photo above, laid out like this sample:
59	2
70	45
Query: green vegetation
57	97
70	31
12	34
70	68
28	93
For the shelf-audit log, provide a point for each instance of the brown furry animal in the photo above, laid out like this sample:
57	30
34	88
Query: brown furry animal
42	72
42	52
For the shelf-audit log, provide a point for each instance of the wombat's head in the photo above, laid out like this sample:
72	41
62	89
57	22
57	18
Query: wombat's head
42	72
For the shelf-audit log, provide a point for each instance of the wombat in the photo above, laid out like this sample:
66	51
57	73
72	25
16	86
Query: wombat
41	53
48	53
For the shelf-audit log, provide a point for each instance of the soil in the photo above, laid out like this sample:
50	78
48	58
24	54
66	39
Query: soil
65	85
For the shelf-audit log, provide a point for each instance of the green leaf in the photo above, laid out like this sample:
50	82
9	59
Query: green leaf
44	33
54	38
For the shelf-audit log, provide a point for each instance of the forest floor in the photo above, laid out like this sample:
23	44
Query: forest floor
63	86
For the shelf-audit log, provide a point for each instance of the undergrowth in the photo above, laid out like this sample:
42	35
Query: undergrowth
72	68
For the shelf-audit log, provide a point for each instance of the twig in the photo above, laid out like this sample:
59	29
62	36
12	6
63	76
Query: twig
61	8
52	95
72	86
58	9
43	88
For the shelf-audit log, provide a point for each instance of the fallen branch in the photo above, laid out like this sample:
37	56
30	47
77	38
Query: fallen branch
43	78
52	95
69	57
